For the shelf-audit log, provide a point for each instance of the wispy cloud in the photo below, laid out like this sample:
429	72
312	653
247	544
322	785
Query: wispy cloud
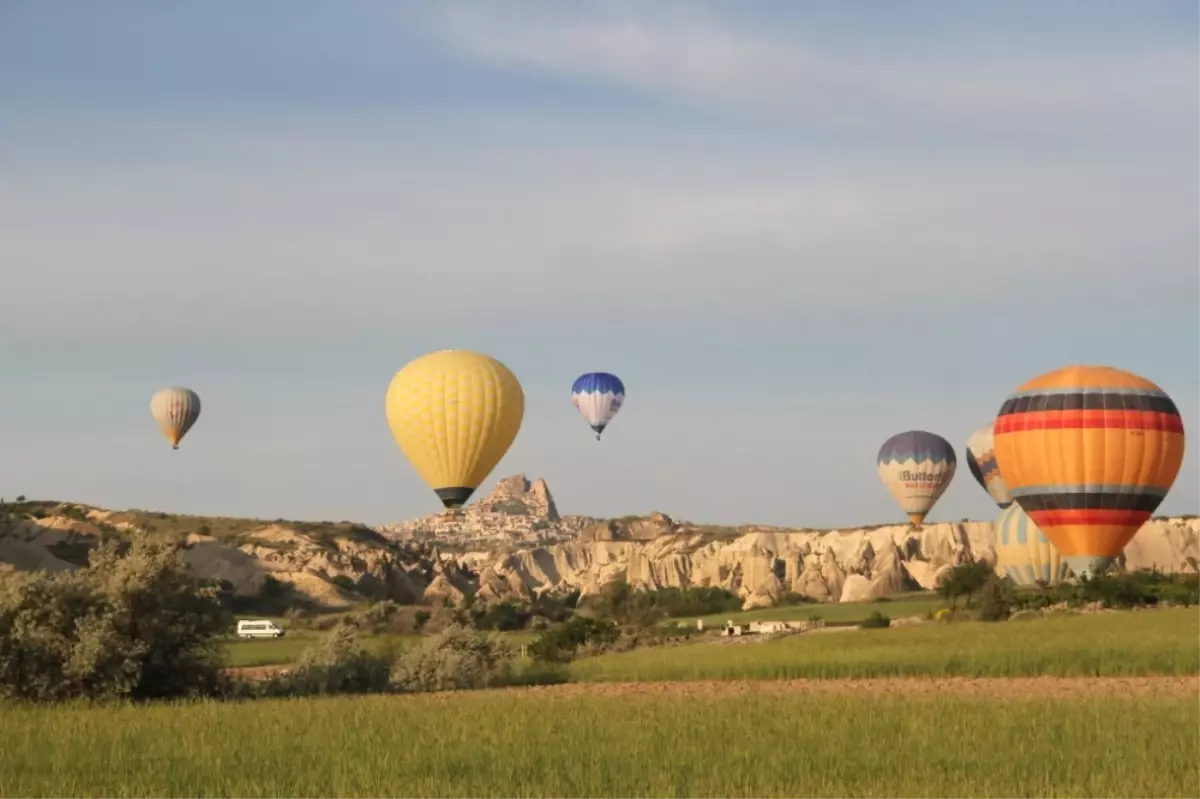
516	233
686	53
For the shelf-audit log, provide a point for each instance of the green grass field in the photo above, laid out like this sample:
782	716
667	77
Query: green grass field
834	612
572	744
1102	644
282	651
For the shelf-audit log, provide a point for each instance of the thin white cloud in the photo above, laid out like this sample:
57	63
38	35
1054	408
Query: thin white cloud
264	245
685	53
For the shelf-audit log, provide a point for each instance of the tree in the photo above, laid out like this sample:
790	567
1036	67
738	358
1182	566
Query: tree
131	624
963	581
997	599
420	618
337	664
456	658
559	645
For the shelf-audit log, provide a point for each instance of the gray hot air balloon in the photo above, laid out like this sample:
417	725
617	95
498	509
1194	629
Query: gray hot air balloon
175	409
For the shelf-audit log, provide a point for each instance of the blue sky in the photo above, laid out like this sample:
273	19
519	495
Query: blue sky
792	229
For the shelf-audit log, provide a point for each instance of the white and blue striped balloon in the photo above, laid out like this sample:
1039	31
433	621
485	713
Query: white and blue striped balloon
598	396
1023	553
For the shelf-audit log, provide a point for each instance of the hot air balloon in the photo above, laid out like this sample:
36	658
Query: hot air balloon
454	414
916	467
175	409
598	396
1023	553
1089	452
981	460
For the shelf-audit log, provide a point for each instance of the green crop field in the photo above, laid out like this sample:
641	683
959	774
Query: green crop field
286	650
569	743
834	612
1101	644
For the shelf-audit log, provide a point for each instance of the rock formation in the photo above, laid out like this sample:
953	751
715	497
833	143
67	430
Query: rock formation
516	512
330	566
514	544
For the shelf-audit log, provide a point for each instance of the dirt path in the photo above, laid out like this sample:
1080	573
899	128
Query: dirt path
1051	687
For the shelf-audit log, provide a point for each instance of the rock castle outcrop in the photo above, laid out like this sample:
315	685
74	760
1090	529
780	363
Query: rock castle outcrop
514	544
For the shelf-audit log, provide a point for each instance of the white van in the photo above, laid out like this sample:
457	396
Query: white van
258	628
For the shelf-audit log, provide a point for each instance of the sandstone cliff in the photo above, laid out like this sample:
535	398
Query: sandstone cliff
328	565
517	512
514	544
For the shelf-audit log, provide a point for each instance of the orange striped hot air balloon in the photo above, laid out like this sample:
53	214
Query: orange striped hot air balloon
1089	452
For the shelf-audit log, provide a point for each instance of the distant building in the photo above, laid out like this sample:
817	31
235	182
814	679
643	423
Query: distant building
771	627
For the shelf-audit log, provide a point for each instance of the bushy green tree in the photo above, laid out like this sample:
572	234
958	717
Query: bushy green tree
337	664
963	581
131	624
997	599
457	658
560	644
621	603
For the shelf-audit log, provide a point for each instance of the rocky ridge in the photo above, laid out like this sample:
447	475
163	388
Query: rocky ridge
514	544
517	512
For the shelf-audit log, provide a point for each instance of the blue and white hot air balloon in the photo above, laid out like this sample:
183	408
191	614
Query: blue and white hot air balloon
916	467
598	396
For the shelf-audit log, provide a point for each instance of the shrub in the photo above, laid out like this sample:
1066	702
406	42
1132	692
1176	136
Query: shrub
337	665
876	621
454	659
378	618
619	602
345	582
997	599
789	598
501	616
561	644
553	608
274	598
963	581
420	618
131	624
73	512
538	673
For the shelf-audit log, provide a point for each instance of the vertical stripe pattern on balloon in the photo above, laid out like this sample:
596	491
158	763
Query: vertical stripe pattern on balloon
175	410
454	414
1023	553
981	460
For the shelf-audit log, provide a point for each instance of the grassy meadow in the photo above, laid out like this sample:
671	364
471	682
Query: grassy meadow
1100	644
243	653
570	743
832	612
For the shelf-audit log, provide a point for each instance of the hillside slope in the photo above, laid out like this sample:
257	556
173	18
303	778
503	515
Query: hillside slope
513	543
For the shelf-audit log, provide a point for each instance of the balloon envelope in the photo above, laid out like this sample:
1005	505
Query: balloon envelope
916	467
175	409
1023	553
598	396
454	413
981	460
1089	452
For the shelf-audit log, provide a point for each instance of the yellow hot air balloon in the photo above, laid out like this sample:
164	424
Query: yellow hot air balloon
454	414
175	409
1023	553
1089	452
